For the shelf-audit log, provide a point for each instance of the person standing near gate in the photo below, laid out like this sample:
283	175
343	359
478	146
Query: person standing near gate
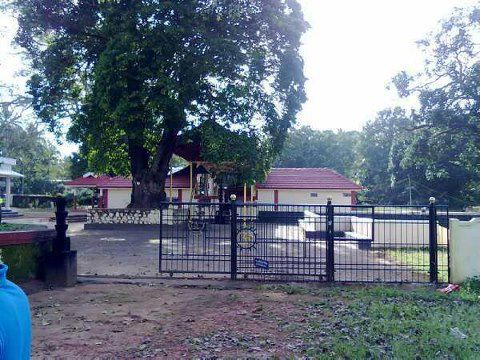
15	324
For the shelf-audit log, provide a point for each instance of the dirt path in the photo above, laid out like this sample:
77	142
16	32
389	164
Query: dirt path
111	321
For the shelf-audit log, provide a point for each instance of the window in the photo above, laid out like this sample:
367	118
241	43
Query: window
313	194
347	194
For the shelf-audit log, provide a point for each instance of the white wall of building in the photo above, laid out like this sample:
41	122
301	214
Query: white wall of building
265	196
174	193
119	198
306	196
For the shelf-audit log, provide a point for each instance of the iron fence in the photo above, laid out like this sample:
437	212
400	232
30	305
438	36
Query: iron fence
346	243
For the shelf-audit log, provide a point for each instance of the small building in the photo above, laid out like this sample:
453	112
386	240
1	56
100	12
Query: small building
282	185
307	186
115	192
7	173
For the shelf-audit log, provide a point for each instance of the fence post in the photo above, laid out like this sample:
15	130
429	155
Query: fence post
61	264
233	237
330	241
432	230
62	241
160	239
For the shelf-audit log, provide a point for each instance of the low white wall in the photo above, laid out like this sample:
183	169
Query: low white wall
172	215
314	222
464	249
396	233
123	216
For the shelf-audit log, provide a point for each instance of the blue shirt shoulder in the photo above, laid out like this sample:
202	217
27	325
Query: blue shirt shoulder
15	324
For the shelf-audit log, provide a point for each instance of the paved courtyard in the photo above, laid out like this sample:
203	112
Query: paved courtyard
130	253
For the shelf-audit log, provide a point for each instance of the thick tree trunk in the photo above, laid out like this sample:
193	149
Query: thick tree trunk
148	190
148	179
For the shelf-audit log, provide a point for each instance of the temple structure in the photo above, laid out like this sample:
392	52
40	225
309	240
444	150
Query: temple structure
198	182
7	173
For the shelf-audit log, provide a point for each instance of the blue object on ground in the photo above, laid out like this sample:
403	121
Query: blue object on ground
15	323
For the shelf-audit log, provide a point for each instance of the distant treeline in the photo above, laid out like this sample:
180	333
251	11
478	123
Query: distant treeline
391	161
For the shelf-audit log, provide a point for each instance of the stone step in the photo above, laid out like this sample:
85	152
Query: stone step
74	218
9	213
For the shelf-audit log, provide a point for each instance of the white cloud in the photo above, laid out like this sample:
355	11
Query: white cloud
354	48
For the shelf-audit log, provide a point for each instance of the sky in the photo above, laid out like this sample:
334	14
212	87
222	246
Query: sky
351	51
354	48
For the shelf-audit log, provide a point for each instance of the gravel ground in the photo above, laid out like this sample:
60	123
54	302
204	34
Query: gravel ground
200	319
125	321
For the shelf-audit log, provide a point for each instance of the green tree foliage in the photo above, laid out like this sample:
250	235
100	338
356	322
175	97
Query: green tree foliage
133	75
37	159
306	147
378	155
396	163
77	165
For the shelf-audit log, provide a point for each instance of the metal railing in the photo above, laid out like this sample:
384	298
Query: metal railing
346	243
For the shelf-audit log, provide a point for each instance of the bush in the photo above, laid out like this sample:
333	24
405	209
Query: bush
470	289
24	261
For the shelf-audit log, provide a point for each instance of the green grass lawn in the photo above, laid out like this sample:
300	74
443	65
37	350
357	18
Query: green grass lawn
378	322
14	227
418	260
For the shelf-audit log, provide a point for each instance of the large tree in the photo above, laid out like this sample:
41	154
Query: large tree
398	164
445	129
133	75
376	155
307	147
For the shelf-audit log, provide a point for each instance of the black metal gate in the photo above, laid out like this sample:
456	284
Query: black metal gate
347	243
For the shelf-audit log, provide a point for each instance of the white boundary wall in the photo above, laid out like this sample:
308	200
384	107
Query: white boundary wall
464	249
397	233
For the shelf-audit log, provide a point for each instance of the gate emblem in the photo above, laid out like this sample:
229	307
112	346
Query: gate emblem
246	238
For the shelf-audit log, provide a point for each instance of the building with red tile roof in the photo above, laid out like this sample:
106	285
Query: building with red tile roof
115	191
281	186
306	186
307	178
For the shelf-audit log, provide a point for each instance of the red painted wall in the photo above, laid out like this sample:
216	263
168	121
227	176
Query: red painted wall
26	237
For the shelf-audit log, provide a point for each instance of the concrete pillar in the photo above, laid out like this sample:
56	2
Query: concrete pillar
464	249
8	193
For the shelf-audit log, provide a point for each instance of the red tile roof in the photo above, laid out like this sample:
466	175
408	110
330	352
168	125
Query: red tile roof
307	178
119	182
278	178
102	181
